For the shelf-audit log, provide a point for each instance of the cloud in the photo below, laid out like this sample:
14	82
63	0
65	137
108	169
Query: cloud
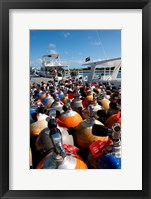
96	43
66	34
52	45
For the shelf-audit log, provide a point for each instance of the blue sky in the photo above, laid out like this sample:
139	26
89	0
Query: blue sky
74	45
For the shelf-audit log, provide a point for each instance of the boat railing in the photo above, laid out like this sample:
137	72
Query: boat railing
66	73
109	72
105	74
81	72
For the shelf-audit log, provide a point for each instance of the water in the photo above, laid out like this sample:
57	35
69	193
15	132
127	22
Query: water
99	73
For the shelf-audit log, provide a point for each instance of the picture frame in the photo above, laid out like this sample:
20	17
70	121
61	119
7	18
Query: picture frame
5	101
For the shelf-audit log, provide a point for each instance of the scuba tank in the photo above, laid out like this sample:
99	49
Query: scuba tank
88	99
36	104
42	95
37	127
83	132
66	138
71	161
104	101
30	158
102	116
65	98
95	107
33	114
115	118
57	157
115	96
39	121
114	108
69	117
56	104
94	102
76	102
60	94
106	155
47	101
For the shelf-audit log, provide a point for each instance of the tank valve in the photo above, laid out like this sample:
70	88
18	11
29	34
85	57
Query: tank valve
55	135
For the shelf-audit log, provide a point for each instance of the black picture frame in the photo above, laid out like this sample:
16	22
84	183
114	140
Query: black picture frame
5	5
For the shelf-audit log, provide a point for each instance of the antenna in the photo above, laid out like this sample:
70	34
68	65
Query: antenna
101	44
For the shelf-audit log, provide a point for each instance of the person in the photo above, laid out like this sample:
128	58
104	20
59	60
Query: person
102	75
63	72
55	72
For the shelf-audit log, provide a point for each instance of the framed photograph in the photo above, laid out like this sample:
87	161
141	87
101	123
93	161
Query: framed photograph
39	39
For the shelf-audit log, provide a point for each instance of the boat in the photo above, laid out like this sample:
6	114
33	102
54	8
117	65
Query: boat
53	67
107	75
33	72
78	75
52	62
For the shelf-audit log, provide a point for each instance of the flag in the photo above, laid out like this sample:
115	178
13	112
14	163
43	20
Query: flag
87	59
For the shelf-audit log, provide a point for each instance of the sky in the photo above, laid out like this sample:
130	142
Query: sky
74	45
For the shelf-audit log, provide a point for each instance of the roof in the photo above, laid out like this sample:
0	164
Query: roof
105	63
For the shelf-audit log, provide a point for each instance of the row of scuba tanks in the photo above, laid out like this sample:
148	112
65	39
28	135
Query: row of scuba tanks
67	134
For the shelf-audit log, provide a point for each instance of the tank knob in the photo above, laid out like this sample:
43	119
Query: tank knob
52	113
90	111
67	106
94	102
47	94
116	134
91	117
76	94
101	96
56	97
